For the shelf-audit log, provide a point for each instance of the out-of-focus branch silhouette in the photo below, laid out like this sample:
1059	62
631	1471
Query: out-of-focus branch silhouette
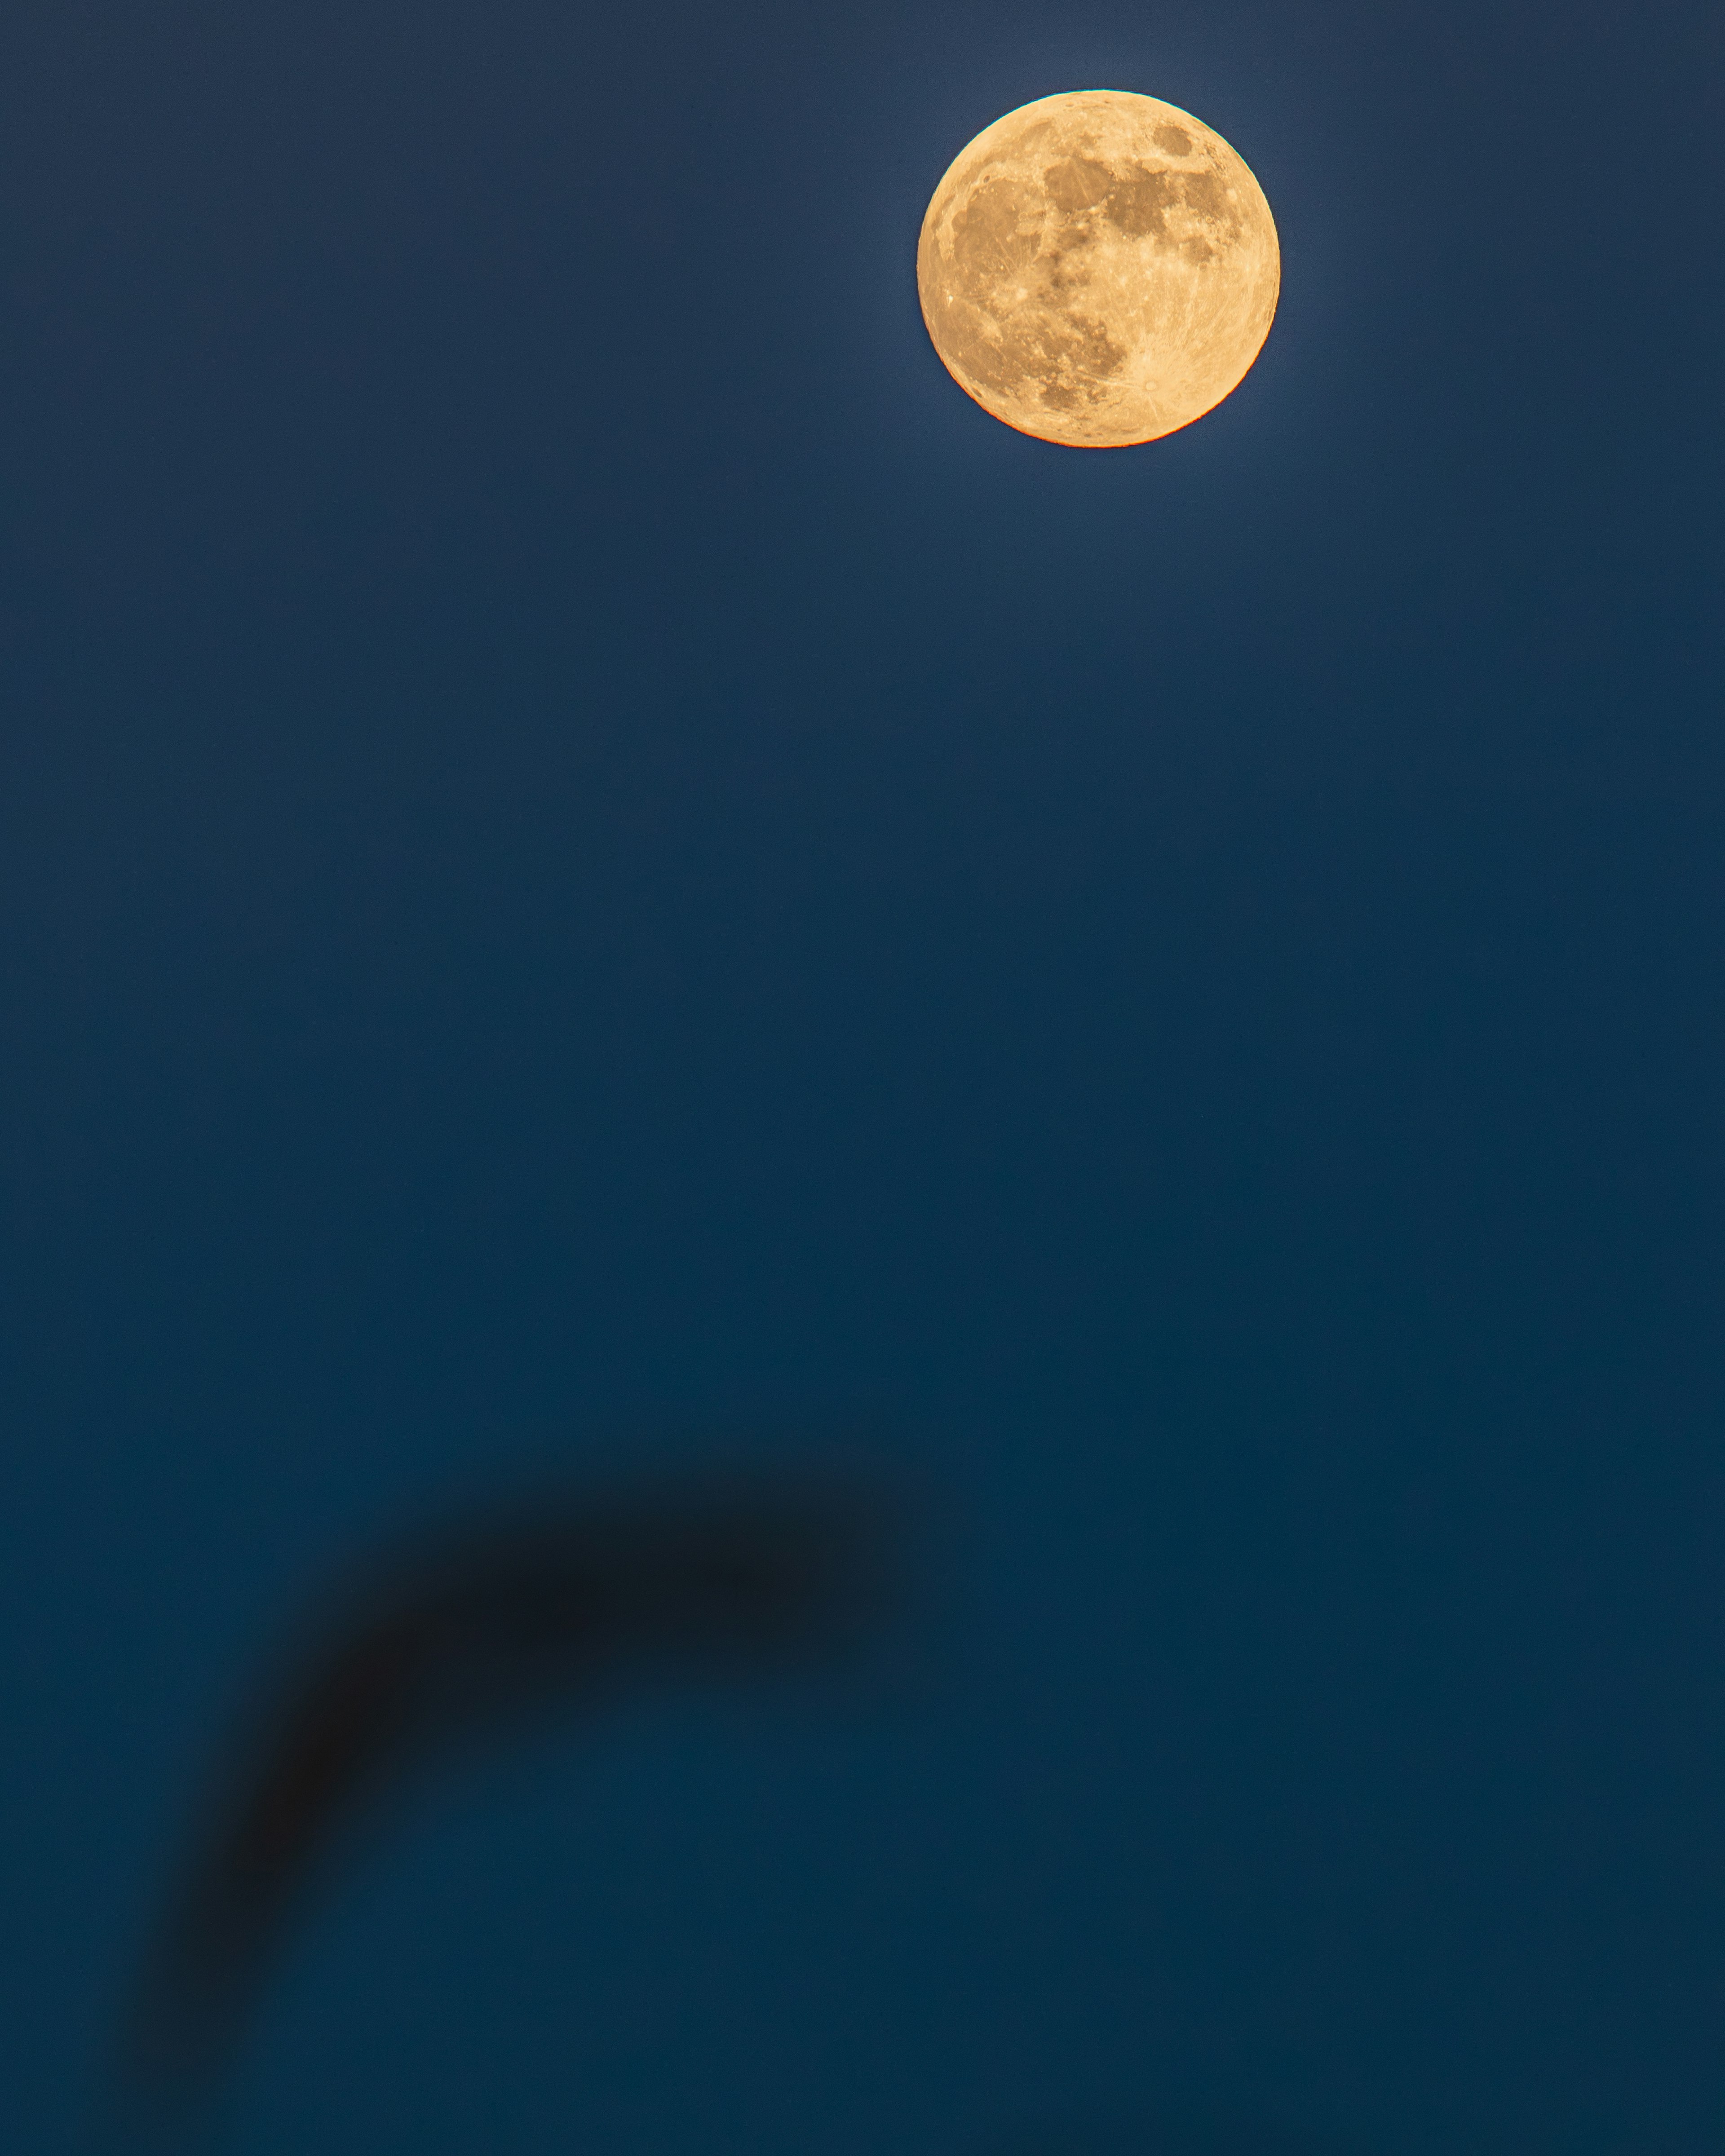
459	1642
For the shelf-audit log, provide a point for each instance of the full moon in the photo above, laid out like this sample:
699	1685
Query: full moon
1098	268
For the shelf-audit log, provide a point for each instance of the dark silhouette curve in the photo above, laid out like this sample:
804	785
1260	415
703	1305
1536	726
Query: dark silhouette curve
455	1645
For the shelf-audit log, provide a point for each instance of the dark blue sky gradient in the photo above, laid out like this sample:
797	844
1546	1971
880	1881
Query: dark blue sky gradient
593	861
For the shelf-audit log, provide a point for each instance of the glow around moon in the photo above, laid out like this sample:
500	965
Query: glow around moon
1098	268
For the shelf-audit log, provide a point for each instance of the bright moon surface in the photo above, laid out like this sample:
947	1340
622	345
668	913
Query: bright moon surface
1098	268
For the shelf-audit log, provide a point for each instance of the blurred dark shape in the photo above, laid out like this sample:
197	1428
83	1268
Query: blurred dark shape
455	1645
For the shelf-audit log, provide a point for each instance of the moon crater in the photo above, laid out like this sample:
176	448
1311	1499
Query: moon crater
1098	268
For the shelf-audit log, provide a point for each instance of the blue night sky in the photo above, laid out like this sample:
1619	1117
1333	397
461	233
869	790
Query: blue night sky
599	874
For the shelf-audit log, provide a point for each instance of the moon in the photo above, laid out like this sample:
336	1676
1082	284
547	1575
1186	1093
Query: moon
1098	268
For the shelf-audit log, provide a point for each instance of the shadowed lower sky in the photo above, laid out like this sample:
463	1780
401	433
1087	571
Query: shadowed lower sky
595	867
